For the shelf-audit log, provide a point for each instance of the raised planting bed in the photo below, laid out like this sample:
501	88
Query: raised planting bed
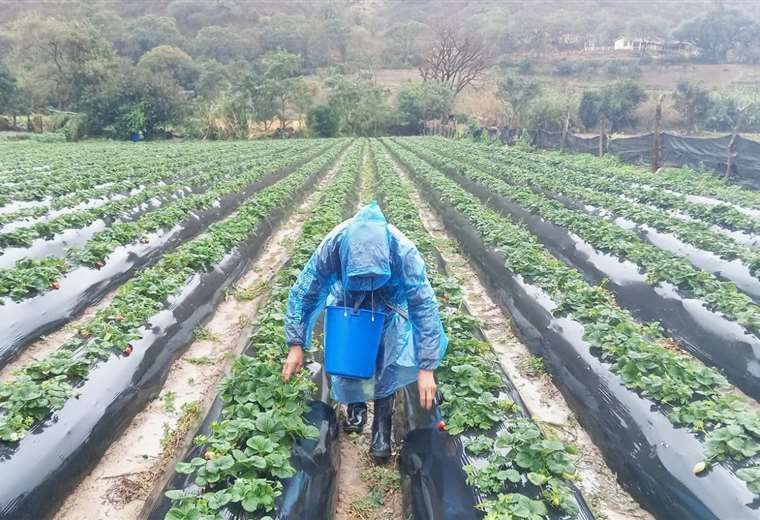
528	470
121	356
709	249
706	316
268	447
680	443
114	255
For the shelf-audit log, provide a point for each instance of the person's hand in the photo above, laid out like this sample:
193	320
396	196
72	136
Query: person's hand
426	387
294	362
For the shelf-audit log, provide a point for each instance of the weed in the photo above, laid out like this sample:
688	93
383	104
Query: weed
364	507
243	321
382	479
169	401
168	437
203	360
534	366
246	294
204	333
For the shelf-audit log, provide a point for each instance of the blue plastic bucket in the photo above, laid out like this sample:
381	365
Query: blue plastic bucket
352	340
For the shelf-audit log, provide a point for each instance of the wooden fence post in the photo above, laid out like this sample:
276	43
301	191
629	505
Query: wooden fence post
657	151
602	132
731	154
732	143
565	128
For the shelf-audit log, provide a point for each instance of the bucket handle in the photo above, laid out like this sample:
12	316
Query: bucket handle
356	310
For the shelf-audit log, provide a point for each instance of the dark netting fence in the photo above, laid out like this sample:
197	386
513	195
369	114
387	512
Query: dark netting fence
702	153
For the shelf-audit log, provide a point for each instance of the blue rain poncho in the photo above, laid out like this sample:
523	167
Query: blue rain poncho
365	258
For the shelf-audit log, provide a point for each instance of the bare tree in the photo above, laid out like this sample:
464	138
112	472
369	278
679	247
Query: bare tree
454	59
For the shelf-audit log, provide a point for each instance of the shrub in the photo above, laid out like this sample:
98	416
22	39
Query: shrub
323	120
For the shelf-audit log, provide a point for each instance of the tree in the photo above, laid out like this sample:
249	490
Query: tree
324	121
194	15
717	33
403	44
590	109
274	88
454	59
620	100
550	110
147	32
360	104
614	104
518	94
8	89
173	62
420	102
214	78
281	82
56	62
132	100
224	44
692	102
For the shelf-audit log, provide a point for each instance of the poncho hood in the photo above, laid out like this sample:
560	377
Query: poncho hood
365	250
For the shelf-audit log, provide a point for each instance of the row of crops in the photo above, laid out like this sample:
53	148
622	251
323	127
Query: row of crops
646	346
640	292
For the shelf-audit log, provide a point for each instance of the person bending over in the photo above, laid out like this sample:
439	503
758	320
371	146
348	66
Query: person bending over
366	263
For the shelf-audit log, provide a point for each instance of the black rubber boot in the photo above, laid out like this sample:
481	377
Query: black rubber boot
380	449
356	418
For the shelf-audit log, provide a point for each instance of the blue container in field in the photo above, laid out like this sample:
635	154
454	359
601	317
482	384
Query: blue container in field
134	136
352	340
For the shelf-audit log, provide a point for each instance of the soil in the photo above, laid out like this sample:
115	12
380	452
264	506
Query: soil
366	491
543	400
133	472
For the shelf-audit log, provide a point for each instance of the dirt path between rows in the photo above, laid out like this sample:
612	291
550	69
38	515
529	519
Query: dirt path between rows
543	400
365	491
137	465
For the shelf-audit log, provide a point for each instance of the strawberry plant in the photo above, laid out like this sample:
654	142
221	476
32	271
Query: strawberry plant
637	353
134	303
247	453
472	387
608	237
588	190
23	278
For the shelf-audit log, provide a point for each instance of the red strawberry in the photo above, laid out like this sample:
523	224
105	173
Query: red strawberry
56	285
99	264
119	317
127	350
440	425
